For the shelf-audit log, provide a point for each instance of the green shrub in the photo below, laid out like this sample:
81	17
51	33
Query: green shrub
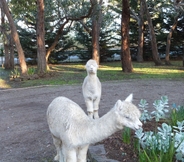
31	71
126	135
177	114
167	143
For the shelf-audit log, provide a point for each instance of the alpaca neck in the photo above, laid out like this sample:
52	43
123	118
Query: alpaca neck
92	79
92	76
102	128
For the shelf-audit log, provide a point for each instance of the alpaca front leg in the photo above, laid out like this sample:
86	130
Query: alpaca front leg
82	154
95	108
89	105
58	144
70	155
96	116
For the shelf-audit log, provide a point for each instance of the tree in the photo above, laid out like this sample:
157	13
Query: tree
140	21
15	37
178	12
8	43
41	52
56	40
125	46
155	55
59	17
167	62
107	36
68	17
141	34
96	25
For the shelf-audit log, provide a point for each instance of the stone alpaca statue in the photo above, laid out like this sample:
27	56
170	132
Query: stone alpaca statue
73	131
91	89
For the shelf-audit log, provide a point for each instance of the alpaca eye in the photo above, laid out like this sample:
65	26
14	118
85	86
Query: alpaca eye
127	117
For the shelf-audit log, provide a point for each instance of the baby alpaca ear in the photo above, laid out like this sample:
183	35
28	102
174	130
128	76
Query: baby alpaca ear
129	98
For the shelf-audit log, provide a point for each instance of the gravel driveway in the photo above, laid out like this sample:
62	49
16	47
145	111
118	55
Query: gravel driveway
24	134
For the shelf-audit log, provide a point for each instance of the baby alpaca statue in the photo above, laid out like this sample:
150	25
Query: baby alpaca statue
91	89
73	131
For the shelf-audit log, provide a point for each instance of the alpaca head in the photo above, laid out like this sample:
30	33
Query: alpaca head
127	114
91	66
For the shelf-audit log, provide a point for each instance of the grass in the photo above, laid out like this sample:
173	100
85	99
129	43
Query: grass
74	73
176	114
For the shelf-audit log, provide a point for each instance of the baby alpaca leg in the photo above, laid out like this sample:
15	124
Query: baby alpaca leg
58	144
90	114
96	107
89	105
82	154
96	116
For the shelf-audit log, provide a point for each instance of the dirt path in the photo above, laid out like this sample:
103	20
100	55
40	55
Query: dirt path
24	134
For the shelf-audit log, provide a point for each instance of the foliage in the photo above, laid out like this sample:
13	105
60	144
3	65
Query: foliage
161	107
126	135
15	73
31	71
145	115
165	145
75	36
56	13
168	143
176	114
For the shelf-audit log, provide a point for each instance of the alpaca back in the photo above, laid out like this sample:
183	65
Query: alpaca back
65	118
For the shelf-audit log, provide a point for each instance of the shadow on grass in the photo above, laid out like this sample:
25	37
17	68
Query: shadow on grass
74	73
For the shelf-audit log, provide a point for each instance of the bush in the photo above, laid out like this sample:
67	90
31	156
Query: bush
167	143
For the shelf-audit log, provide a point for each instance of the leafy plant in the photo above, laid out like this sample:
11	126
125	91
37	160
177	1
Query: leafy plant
159	147
177	114
145	115
161	108
126	135
15	73
168	142
179	140
31	71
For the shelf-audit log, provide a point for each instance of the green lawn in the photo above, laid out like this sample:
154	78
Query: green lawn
74	73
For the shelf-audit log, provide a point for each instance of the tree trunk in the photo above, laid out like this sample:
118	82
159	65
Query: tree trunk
11	53
15	37
96	25
6	56
60	31
41	52
183	56
95	42
58	35
8	45
5	41
141	34
155	55
125	45
169	36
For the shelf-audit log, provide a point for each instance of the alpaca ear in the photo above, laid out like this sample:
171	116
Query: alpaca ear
118	105
129	98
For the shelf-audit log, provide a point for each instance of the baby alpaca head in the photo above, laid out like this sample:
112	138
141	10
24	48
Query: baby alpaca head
91	66
127	114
